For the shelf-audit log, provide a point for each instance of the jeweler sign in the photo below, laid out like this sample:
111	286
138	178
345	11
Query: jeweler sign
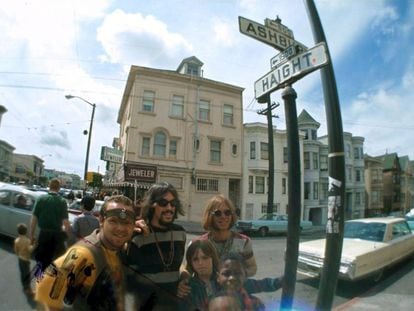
294	69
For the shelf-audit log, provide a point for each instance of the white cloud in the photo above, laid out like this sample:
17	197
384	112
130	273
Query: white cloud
137	39
224	32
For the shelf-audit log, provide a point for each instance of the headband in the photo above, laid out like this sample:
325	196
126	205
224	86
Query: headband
120	213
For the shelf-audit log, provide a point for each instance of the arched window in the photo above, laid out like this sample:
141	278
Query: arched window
160	144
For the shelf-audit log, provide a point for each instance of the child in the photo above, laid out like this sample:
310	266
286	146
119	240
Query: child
232	281
23	250
203	266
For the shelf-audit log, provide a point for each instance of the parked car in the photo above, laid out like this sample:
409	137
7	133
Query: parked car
75	207
410	222
369	247
264	226
16	206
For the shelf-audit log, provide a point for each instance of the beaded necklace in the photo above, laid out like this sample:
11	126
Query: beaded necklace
166	263
222	247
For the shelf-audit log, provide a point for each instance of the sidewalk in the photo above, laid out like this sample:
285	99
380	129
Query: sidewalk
195	227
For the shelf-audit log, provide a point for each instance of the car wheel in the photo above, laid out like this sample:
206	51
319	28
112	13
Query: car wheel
378	276
263	231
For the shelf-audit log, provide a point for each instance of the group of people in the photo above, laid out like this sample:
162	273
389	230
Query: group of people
144	257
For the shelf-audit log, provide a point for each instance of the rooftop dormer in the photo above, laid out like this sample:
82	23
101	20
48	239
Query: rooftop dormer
191	66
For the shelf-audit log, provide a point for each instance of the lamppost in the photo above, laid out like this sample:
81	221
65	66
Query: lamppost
2	111
89	135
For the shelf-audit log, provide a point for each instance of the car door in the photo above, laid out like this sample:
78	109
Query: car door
5	202
402	242
20	213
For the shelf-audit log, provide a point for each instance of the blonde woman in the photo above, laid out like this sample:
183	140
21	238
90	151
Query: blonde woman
218	219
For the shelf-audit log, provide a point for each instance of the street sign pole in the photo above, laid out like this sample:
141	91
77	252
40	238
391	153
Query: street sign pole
286	69
335	224
292	241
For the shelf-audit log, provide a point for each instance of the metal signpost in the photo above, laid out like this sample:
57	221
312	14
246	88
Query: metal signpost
294	62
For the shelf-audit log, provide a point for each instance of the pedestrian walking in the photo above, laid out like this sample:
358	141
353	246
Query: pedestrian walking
90	276
50	213
23	249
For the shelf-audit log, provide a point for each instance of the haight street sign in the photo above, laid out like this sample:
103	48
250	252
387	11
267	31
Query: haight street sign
294	69
268	35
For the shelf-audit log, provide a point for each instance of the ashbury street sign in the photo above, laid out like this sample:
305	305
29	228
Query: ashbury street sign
294	69
278	37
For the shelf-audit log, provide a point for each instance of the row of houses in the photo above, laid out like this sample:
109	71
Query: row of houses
180	127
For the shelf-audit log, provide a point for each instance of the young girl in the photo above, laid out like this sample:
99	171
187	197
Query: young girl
202	263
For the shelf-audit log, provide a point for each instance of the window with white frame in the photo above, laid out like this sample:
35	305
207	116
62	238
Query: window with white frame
375	196
160	144
306	160
315	159
284	186
173	148
145	147
285	155
252	150
148	101
177	106
306	134
260	184
234	149
313	133
356	153
264	151
358	175
192	69
207	185
215	151
315	191
204	110
348	150
228	114
323	162
307	190
324	190
250	184
357	198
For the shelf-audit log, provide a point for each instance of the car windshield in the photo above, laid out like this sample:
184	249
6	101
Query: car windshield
365	231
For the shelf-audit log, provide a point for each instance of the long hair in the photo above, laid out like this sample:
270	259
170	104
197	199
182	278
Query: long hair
213	204
207	248
155	193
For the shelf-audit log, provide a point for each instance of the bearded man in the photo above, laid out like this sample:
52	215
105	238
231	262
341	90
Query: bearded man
153	257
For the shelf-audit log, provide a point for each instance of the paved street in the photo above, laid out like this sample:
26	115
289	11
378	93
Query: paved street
395	291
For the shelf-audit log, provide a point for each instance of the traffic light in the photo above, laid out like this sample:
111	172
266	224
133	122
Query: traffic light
89	176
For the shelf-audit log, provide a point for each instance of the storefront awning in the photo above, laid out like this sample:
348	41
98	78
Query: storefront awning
123	184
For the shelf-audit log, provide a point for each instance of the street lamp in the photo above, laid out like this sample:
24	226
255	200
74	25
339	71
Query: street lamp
3	110
85	177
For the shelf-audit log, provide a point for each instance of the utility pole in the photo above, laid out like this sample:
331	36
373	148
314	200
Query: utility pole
268	112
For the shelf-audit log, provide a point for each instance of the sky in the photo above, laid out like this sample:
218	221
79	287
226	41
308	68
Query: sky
86	48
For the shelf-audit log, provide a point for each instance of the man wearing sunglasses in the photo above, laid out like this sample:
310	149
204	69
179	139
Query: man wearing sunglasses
153	257
218	219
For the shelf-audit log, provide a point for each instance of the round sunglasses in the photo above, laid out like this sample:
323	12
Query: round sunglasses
219	213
